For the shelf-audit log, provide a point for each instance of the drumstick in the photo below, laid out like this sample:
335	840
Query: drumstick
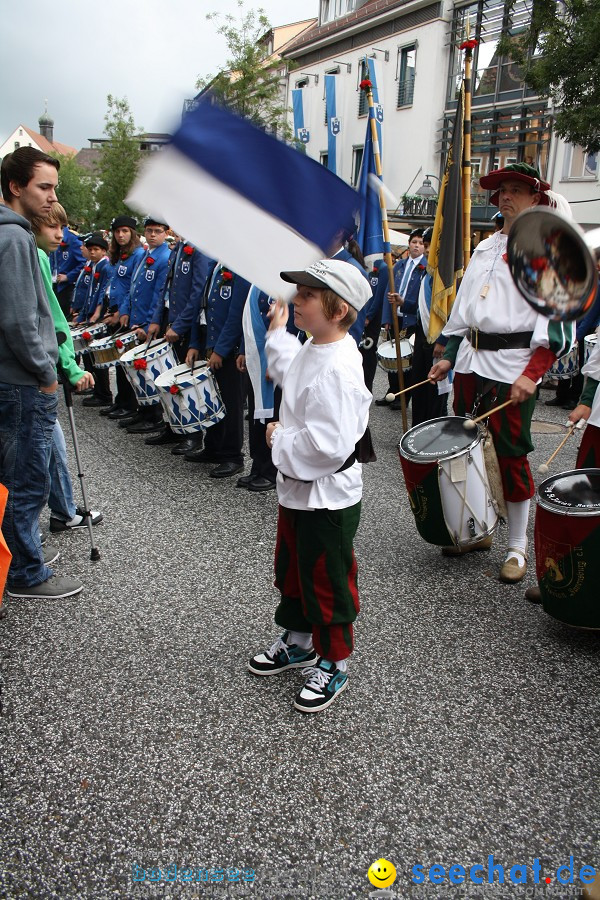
471	423
389	397
545	466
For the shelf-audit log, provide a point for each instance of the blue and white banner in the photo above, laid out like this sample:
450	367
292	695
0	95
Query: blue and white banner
299	101
335	107
246	198
255	335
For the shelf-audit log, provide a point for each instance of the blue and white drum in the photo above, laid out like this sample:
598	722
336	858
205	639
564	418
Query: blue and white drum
589	342
566	366
191	399
107	351
83	337
143	365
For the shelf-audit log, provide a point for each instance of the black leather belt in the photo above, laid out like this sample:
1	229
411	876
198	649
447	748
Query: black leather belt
512	340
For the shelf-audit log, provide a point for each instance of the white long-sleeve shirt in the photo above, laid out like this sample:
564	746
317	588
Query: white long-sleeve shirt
502	311
592	368
324	411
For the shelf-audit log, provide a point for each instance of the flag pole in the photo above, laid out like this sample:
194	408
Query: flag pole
467	46
367	86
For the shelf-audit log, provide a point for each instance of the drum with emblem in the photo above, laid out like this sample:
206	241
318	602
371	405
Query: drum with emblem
447	482
386	355
566	366
567	546
83	337
190	398
143	365
107	351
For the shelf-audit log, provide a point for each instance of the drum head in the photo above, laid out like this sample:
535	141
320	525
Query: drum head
438	439
575	493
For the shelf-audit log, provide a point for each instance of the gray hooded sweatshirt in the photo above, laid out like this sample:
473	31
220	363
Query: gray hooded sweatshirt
28	348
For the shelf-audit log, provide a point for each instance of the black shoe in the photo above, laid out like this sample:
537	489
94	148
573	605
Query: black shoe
245	480
191	443
121	413
200	456
133	419
396	404
260	483
554	402
96	401
86	393
145	427
382	402
570	404
165	436
109	409
226	470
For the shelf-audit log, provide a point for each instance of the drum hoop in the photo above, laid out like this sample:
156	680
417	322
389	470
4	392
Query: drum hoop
576	512
419	459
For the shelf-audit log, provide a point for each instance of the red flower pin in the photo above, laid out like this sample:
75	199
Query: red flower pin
96	275
86	336
87	269
119	344
149	260
140	364
188	250
63	243
124	255
226	276
365	84
174	389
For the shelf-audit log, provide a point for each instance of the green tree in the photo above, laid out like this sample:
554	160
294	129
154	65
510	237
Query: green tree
119	161
560	54
75	192
251	83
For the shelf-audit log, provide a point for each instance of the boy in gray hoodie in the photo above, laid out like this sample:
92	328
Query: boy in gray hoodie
28	383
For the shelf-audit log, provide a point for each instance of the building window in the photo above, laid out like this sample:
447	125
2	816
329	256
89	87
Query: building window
324	158
363	103
357	157
302	83
334	9
20	132
578	163
17	145
406	75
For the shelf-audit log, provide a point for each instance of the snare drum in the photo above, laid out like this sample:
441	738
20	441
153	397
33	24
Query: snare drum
386	355
82	337
566	366
191	400
447	482
567	546
108	351
143	365
589	342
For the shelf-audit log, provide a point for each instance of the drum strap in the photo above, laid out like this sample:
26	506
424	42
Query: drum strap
515	340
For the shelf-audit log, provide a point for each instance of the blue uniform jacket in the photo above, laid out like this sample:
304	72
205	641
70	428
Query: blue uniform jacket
120	283
373	277
82	287
184	285
411	299
146	285
67	260
99	281
224	307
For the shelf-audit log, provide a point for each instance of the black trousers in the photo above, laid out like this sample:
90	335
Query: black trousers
65	297
226	439
426	402
262	464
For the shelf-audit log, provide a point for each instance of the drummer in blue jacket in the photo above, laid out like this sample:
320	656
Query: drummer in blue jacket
177	307
66	262
221	321
146	285
82	285
93	310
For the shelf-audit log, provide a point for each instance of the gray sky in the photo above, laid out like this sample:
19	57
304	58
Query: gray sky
74	53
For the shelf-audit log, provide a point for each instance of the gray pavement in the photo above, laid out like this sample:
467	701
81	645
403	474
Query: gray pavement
134	739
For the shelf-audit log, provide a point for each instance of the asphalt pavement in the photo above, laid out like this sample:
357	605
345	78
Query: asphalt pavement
140	759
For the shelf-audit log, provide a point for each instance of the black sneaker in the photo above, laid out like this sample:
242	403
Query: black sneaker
78	521
281	656
324	682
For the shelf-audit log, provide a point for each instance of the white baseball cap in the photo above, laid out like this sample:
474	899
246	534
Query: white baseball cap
344	279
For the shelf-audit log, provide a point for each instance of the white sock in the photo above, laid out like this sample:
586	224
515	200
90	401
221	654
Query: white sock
341	665
518	517
301	639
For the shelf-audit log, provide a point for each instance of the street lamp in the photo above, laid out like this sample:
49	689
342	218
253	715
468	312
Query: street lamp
427	189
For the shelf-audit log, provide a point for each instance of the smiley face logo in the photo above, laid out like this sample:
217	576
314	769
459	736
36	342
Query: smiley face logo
381	873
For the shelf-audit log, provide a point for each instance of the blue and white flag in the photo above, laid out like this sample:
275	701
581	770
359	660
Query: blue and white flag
335	108
299	103
244	197
255	335
369	236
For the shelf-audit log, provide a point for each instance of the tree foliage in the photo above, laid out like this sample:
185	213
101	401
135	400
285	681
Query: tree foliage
560	54
250	84
75	192
119	161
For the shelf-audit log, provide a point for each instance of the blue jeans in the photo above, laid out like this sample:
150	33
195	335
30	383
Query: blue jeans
27	418
60	501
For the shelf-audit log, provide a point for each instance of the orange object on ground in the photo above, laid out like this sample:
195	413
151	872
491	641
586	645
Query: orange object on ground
5	554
